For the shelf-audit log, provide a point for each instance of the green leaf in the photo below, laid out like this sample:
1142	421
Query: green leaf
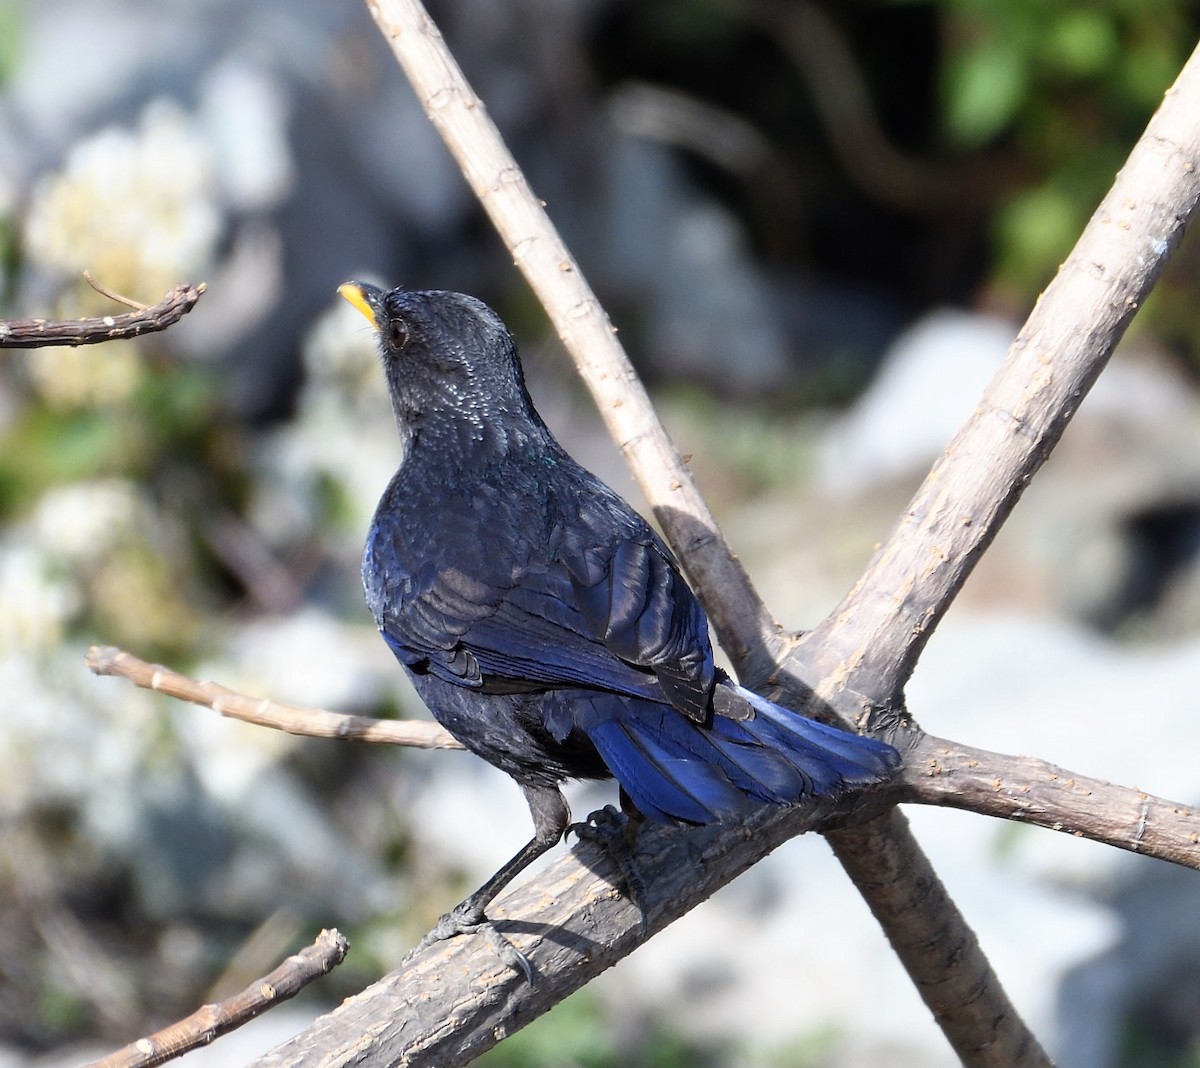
1081	43
983	88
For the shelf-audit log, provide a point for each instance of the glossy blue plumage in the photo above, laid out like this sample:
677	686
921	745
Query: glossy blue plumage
544	623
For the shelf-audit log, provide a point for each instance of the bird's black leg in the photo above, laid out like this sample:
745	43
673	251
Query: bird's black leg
551	817
614	829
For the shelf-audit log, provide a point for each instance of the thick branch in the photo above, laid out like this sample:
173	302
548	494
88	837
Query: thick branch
212	1021
935	944
312	722
37	333
861	655
450	1002
869	645
952	970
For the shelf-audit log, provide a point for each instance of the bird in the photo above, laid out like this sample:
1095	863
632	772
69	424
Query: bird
542	620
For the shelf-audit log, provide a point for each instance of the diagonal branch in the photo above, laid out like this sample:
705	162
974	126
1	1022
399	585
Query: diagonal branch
211	1021
452	1001
872	640
861	655
39	333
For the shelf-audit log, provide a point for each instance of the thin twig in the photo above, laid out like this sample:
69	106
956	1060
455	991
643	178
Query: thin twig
211	1021
119	298
936	772
310	722
39	333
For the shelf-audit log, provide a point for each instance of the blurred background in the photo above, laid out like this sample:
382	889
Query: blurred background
818	227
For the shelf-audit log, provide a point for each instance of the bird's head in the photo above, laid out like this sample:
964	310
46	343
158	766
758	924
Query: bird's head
449	359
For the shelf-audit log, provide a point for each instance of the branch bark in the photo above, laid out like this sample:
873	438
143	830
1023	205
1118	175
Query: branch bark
904	592
879	630
953	775
39	333
310	722
212	1021
451	1002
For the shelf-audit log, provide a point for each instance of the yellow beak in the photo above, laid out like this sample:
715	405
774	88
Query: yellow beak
355	293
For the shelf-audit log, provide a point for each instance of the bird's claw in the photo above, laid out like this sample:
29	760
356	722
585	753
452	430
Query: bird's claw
612	830
467	921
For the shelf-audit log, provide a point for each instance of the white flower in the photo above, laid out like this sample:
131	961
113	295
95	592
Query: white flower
36	600
82	522
137	207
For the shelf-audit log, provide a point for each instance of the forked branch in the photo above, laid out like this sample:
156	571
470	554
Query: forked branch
211	1021
39	333
935	943
572	924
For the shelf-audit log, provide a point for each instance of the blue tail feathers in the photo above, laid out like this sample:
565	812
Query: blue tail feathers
675	769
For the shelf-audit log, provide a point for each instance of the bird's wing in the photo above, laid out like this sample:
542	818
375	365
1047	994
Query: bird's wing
575	603
634	600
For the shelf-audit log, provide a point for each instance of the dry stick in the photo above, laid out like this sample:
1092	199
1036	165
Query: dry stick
312	722
451	1002
865	650
941	772
937	771
38	333
745	628
112	295
882	625
211	1021
584	328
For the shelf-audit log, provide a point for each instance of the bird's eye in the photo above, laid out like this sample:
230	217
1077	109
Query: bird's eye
397	333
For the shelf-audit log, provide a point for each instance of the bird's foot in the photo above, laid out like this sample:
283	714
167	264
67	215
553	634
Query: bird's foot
613	831
468	919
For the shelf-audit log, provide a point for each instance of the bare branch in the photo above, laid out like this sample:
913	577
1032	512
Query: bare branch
572	924
212	1021
860	656
937	771
311	722
941	772
450	1002
868	646
38	333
